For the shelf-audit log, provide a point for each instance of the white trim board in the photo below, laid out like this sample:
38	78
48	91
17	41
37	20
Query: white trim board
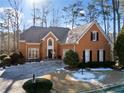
22	41
52	47
49	34
33	43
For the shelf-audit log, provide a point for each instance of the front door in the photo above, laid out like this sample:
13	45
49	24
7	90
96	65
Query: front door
50	53
87	55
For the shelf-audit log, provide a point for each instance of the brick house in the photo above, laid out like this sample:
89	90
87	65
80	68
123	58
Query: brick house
88	40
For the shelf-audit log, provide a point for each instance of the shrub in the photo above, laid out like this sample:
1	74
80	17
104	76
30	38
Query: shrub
71	58
119	47
6	61
94	64
2	56
17	58
41	85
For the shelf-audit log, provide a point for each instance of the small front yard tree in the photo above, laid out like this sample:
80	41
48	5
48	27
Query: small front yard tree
119	47
71	58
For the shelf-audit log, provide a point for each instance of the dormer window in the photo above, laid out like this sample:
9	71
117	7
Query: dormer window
94	36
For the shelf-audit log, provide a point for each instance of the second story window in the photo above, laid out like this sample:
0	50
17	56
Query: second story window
94	36
50	42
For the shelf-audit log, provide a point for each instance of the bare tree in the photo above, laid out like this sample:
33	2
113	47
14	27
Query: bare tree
55	18
5	17
17	7
72	12
117	7
92	13
1	38
40	14
105	10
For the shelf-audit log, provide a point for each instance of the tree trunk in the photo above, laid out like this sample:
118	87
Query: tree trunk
114	26
104	17
8	36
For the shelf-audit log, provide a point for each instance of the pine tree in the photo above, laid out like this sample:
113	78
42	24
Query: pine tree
119	47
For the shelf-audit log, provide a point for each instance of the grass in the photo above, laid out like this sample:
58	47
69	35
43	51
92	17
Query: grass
63	82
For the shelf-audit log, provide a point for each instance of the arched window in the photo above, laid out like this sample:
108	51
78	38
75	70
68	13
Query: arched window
50	42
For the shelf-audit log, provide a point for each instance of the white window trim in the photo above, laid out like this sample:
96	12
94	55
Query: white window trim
22	41
30	50
87	50
101	54
33	43
94	33
50	47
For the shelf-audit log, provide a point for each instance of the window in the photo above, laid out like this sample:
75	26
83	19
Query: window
50	42
33	53
101	55
94	36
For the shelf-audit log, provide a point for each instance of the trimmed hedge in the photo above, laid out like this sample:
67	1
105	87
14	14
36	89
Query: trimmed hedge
106	64
41	85
71	58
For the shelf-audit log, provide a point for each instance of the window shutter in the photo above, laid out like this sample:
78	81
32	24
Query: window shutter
90	55
91	36
97	36
104	55
98	55
84	56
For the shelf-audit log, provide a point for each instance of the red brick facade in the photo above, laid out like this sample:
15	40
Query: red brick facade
58	48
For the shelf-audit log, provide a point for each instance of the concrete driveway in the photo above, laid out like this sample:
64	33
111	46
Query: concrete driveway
12	79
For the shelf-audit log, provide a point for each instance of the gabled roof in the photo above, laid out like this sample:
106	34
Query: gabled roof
76	34
34	34
49	34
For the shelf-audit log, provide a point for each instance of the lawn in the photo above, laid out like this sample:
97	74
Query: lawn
64	81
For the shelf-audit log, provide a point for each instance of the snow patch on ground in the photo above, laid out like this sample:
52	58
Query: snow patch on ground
101	69
88	76
85	76
1	71
101	77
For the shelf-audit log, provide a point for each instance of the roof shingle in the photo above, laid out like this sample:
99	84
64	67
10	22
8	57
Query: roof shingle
34	34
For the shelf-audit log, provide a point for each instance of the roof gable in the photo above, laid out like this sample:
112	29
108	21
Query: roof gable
78	33
48	35
100	29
